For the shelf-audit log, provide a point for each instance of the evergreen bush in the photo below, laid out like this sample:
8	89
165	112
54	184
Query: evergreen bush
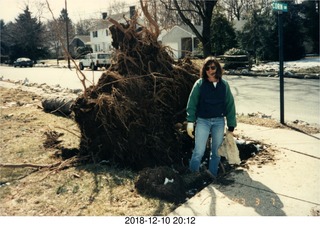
236	58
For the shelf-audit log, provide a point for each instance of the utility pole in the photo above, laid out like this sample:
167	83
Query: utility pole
67	30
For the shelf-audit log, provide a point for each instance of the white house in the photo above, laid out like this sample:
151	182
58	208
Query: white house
182	41
100	35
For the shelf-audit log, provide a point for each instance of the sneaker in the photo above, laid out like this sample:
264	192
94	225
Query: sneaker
224	181
209	175
202	168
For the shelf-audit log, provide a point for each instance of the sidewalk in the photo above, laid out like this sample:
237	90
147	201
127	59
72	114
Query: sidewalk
287	187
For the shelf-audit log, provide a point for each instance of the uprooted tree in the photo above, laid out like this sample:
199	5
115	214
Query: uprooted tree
134	115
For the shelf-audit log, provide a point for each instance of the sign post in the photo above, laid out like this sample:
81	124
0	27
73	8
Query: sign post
281	7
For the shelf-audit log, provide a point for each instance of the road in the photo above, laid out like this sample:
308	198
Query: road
252	94
65	77
260	94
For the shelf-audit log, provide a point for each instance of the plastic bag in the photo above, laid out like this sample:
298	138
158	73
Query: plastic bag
229	150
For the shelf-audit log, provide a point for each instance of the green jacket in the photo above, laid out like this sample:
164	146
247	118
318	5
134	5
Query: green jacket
194	100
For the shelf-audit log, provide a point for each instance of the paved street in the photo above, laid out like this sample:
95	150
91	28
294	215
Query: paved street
252	94
260	94
65	77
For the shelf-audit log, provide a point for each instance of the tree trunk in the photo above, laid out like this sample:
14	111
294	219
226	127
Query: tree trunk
206	31
205	37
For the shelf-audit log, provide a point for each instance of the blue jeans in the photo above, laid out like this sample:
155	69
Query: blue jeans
204	127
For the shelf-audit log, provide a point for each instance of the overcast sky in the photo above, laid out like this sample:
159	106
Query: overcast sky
77	9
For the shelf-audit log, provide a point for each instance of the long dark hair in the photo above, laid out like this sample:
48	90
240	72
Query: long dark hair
209	60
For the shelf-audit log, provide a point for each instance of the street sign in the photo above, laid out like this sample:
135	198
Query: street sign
280	6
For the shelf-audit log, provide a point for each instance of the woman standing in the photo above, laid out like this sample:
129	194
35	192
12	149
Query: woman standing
210	102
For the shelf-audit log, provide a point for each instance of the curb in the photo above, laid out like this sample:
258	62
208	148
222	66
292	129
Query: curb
273	74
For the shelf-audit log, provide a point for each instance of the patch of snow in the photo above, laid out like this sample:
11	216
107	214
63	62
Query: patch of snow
307	62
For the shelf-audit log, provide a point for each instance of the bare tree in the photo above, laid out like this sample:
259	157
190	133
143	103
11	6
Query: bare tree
52	38
235	8
40	8
57	34
116	7
239	9
83	26
191	13
160	13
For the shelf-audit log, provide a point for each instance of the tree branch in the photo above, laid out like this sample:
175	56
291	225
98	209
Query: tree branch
23	165
187	21
144	7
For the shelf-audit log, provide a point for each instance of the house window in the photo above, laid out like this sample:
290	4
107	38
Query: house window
186	46
196	43
95	34
96	48
107	32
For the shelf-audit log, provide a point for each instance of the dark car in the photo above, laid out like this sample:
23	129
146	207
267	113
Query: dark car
23	62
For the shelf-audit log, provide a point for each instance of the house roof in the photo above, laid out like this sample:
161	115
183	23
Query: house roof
184	28
104	23
83	38
187	29
162	33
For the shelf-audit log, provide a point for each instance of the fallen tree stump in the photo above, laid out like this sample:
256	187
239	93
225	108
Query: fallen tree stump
129	116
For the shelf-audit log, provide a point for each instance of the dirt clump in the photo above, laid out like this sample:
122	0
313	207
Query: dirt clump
161	182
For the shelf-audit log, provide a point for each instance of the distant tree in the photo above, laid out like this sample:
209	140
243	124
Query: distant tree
52	37
57	33
223	35
25	37
260	34
293	33
191	13
236	8
310	20
241	9
116	7
63	22
4	42
83	27
159	10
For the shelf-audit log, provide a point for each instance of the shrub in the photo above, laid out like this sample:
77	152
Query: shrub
236	58
235	51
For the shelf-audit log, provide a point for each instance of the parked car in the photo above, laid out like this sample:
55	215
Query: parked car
95	60
23	62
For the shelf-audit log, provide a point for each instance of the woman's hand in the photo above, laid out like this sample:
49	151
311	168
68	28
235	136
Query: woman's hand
190	129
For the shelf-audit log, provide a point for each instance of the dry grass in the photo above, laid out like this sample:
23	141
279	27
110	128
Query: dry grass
272	123
83	190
